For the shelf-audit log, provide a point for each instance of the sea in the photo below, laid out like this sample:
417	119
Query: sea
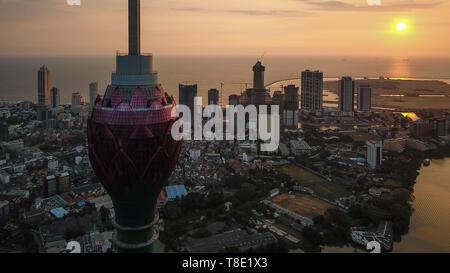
18	75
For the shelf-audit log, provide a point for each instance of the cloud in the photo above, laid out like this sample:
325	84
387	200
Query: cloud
343	6
280	13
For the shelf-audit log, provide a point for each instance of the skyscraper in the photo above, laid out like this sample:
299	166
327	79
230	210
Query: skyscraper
312	91
43	86
186	94
364	98
374	153
346	95
278	99
131	148
93	92
213	97
258	75
54	97
76	99
258	95
290	106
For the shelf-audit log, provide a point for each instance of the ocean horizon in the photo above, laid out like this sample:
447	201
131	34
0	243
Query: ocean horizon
18	74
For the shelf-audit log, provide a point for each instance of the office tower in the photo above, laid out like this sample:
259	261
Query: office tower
43	113
54	97
312	91
346	94
64	183
258	76
213	97
76	99
131	148
290	106
364	98
233	99
50	185
4	131
277	99
44	86
374	153
186	95
93	92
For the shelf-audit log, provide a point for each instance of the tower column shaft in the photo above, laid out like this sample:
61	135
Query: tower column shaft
134	27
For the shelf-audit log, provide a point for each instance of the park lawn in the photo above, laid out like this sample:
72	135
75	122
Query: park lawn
320	186
299	174
361	136
328	190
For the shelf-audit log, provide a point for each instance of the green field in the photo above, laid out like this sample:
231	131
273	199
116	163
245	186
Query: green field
320	186
300	174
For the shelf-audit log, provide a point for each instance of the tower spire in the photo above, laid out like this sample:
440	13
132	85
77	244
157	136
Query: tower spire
134	27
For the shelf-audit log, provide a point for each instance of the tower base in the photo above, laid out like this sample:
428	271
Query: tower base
135	239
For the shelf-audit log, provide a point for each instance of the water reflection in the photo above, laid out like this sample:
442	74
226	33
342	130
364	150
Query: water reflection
430	223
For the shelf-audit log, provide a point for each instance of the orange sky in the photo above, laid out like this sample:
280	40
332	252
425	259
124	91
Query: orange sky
228	27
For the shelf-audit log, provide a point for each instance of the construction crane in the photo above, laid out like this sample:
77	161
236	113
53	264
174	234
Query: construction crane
242	84
221	94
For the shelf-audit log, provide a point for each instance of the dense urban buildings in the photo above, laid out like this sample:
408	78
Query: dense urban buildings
312	91
364	98
346	95
44	86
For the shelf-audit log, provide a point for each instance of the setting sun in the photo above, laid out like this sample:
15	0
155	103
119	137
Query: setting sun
401	26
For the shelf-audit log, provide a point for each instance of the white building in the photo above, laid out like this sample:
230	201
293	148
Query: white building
299	147
250	146
374	153
78	160
4	177
52	164
194	154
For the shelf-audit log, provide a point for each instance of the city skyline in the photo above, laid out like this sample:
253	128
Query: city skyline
252	28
